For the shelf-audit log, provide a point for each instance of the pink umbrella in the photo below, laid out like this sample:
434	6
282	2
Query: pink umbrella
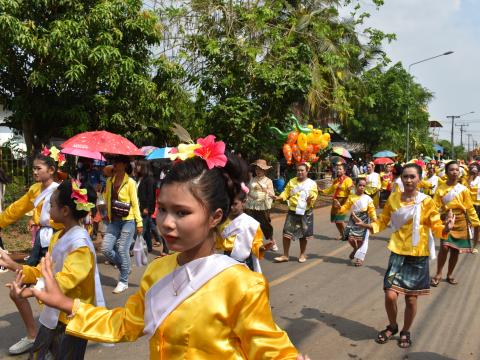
84	153
104	142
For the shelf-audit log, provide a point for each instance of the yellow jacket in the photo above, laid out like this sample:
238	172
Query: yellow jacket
77	277
293	199
229	317
227	243
473	192
345	188
23	205
128	194
401	240
352	199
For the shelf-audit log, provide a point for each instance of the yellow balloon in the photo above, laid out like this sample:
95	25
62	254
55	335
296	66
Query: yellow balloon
326	137
302	141
315	137
323	144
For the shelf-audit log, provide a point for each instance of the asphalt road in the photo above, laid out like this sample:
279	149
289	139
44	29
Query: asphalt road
330	309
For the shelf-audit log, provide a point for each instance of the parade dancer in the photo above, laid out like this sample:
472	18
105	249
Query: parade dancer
412	217
473	182
241	236
454	196
45	166
75	271
373	184
430	183
340	188
362	206
194	303
300	194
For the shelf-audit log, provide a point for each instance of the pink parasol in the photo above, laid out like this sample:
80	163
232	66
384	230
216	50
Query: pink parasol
382	161
84	153
103	142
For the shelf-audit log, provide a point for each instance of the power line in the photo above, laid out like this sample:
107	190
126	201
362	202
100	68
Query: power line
461	126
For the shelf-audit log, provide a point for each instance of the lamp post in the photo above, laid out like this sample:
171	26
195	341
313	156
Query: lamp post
408	112
453	117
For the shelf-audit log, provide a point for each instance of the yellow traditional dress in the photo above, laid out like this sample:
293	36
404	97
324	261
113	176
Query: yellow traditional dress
474	187
457	198
242	239
301	197
411	242
373	186
340	189
227	317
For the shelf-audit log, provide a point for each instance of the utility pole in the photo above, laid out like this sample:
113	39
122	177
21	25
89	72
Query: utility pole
468	142
453	117
461	131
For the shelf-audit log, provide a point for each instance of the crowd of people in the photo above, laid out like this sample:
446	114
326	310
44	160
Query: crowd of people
210	217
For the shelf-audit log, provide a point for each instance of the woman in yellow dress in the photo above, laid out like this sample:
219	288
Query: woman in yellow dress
373	184
452	195
412	216
473	183
75	271
192	304
340	190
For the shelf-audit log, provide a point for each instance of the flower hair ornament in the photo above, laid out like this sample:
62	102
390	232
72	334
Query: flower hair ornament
55	154
213	152
80	197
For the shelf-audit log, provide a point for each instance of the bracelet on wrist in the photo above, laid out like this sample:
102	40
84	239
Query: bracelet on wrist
75	307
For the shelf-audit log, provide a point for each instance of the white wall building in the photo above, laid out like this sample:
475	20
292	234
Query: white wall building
6	134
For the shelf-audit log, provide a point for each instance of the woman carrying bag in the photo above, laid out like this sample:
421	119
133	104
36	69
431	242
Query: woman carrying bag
123	213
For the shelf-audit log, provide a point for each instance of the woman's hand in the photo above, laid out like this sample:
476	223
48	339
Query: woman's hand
18	290
336	204
139	230
51	294
449	221
6	261
302	357
360	223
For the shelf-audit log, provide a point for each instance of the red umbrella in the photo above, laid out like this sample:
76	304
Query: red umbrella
382	161
104	142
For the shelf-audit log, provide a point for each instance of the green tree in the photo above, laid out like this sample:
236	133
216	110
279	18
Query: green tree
71	66
384	102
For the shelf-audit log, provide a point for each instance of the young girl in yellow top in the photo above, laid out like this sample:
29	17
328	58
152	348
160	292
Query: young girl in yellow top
45	166
412	216
241	236
192	304
340	189
363	208
75	271
456	197
473	184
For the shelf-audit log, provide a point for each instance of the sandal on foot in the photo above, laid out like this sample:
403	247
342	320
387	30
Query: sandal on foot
452	281
434	282
382	336
404	342
358	262
280	259
302	259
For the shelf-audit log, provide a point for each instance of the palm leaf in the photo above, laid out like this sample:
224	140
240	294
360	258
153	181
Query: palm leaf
182	133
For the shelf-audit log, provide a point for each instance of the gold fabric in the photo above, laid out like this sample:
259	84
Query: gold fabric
227	318
401	240
128	194
352	199
473	193
293	200
345	188
77	277
227	243
461	204
23	205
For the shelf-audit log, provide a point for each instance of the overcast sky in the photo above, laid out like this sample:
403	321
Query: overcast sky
426	28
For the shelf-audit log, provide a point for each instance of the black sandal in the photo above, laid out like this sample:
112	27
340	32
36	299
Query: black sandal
404	341
382	337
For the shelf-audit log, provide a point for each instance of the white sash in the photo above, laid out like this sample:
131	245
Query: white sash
244	228
73	239
45	231
453	193
434	181
360	205
160	299
476	183
399	183
373	180
413	211
304	189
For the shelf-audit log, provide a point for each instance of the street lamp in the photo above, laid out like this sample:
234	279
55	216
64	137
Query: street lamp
408	112
453	117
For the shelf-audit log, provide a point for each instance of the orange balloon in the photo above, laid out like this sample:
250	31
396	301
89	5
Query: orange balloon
296	153
287	152
316	149
307	153
292	137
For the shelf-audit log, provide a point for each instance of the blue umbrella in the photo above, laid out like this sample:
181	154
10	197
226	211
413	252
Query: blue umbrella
159	153
385	153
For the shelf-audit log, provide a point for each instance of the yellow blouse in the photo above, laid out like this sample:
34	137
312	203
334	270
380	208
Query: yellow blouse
352	199
345	188
128	194
227	318
401	240
227	243
462	202
77	277
23	205
473	193
293	199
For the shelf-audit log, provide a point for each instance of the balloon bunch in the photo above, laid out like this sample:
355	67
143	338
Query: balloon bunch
302	144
